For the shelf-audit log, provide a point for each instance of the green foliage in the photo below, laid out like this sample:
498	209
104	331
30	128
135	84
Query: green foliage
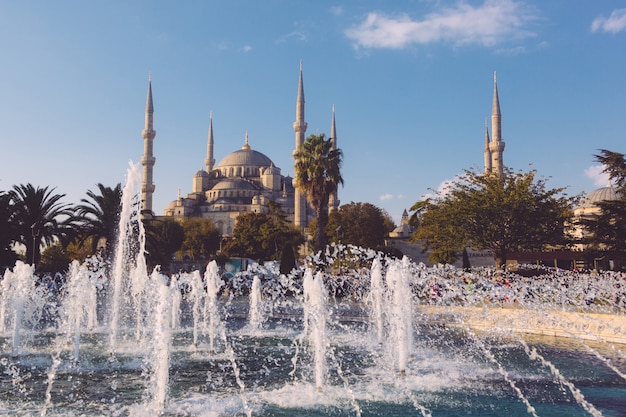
202	239
440	226
513	212
54	259
607	230
359	224
262	236
318	174
164	237
40	218
98	217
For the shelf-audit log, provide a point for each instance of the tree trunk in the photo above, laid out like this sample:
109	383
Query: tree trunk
322	220
500	257
466	262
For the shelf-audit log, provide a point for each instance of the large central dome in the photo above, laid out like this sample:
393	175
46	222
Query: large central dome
245	157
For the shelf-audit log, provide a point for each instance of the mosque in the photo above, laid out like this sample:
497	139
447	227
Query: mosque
493	163
246	180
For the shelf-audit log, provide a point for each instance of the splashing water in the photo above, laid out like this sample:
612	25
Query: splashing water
383	337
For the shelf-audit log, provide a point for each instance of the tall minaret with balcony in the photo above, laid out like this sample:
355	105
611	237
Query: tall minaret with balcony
333	201
148	159
299	126
496	146
209	161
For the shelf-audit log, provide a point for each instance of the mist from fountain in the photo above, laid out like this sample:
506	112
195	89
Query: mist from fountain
378	336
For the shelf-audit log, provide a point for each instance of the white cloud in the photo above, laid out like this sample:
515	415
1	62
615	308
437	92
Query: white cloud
616	22
299	36
386	197
442	189
336	10
221	45
246	48
595	172
493	22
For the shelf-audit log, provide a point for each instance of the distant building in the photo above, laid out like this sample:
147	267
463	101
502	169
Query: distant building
494	162
405	230
243	181
494	148
588	208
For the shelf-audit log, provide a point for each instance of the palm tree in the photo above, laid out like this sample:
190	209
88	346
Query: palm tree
318	174
40	217
99	217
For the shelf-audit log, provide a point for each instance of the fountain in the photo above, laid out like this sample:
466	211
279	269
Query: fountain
380	337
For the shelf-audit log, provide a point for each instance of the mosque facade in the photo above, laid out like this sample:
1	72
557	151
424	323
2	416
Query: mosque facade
246	180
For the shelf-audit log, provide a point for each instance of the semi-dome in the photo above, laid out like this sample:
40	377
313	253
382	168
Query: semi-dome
596	196
245	157
233	185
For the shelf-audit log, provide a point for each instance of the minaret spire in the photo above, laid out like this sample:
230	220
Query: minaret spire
246	145
210	161
299	127
148	159
496	146
487	153
333	201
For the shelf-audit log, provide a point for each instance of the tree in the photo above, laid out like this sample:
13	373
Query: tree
54	259
276	232
606	231
246	237
164	237
9	234
99	217
40	217
359	224
262	236
440	226
202	239
318	174
512	212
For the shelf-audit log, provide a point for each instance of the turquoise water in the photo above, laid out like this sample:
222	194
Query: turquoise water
449	374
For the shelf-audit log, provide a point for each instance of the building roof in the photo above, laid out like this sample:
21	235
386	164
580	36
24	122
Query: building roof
601	194
233	184
245	157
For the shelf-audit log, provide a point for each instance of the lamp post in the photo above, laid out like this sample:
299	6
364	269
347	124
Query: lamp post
35	233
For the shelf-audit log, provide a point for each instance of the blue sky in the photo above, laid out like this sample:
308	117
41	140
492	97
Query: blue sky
411	82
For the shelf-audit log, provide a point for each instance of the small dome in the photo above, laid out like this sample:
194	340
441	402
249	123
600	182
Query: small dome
601	194
201	173
244	157
233	185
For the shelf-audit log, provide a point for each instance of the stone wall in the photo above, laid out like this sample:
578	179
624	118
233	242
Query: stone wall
583	325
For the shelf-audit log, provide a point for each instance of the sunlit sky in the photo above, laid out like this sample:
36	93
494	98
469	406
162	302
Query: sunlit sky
411	82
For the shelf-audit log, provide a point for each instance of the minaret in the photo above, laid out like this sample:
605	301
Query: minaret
487	152
299	126
148	160
210	161
333	202
496	147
